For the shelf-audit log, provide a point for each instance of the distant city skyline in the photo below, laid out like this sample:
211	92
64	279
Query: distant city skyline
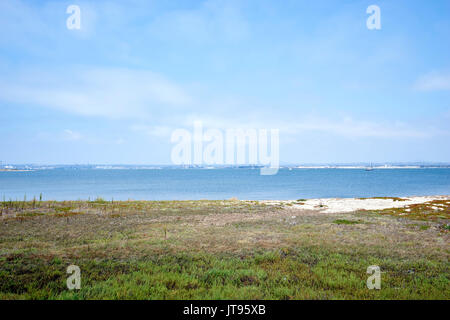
113	91
282	165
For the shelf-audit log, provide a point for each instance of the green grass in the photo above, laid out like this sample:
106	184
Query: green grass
216	250
343	221
433	210
303	274
386	198
419	226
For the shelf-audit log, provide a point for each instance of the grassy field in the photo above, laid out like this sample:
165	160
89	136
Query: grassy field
220	250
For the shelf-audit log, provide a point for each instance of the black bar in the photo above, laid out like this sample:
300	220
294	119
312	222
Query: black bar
230	309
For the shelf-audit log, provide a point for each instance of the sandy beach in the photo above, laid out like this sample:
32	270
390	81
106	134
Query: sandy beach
341	205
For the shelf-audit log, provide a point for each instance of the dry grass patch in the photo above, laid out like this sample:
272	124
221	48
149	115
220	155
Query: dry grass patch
436	210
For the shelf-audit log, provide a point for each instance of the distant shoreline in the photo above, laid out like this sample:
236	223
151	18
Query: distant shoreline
223	168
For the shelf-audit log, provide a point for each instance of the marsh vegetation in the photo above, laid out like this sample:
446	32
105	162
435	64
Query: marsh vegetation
220	250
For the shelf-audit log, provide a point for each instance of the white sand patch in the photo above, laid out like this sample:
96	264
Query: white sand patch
337	205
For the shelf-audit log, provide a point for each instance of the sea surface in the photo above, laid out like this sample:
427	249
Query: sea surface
242	183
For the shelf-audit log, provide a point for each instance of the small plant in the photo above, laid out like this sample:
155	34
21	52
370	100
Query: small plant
321	205
100	200
24	201
344	221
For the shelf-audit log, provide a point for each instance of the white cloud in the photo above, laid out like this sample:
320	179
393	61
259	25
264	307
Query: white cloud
345	127
433	82
113	92
154	131
145	96
72	135
350	128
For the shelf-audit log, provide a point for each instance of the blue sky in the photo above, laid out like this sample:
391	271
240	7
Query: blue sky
113	91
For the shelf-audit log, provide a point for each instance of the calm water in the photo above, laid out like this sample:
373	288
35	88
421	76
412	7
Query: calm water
181	184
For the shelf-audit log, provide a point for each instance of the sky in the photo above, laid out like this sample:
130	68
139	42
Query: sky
113	91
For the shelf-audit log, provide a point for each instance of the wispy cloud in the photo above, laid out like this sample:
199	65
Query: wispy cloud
433	82
350	128
71	135
106	92
142	95
153	131
346	127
